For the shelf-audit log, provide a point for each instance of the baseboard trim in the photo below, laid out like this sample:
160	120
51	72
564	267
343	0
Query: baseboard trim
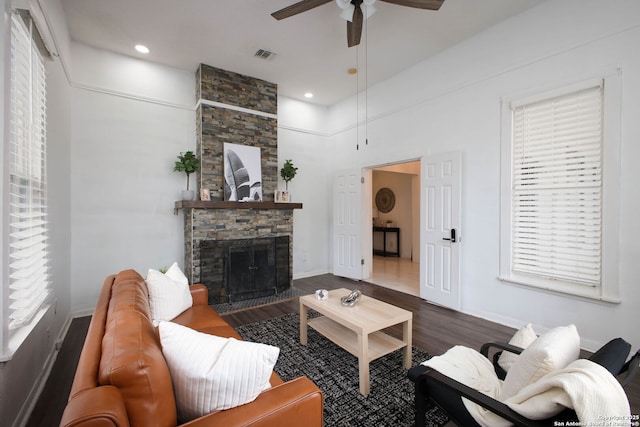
30	403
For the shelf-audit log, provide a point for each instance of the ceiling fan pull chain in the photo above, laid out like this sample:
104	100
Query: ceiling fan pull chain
366	79
357	99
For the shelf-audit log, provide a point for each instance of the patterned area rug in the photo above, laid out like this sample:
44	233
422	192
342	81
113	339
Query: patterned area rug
335	372
257	302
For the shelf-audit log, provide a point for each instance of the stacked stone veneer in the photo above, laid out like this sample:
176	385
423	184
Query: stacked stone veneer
224	98
241	110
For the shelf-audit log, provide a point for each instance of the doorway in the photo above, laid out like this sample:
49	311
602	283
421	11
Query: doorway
430	199
395	242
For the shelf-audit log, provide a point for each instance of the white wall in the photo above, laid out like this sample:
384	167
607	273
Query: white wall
59	196
302	138
111	74
130	121
452	102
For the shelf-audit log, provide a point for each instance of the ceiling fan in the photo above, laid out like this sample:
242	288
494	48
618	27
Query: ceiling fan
354	11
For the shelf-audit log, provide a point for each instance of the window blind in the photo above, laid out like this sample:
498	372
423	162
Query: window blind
28	252
557	188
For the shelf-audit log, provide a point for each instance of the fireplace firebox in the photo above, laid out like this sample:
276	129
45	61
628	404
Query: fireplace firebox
240	269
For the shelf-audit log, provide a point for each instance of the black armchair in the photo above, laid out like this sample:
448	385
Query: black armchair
447	393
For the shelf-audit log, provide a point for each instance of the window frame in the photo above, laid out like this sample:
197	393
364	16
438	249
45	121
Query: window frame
11	338
608	288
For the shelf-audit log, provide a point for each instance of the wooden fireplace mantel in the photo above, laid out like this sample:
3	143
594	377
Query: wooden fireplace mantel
200	204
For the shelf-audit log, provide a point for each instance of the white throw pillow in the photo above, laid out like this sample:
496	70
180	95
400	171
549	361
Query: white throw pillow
167	297
553	350
176	274
523	338
212	373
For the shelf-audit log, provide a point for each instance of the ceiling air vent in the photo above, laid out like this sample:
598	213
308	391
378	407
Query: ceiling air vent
264	54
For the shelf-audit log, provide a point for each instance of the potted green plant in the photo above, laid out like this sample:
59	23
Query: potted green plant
288	172
188	163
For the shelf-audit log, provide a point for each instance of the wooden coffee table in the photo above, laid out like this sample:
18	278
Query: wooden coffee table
358	329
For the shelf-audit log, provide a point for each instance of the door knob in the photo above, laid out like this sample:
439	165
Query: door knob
452	239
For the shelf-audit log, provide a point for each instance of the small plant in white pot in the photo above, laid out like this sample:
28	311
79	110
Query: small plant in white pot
188	163
288	172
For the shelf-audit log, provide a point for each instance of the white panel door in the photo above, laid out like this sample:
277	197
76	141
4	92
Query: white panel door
440	224
347	224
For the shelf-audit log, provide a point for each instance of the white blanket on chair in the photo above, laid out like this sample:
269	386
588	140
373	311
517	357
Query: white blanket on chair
584	386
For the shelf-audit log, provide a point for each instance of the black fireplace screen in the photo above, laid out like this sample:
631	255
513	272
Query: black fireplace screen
240	269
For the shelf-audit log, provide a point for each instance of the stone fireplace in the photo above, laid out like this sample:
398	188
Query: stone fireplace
239	269
240	110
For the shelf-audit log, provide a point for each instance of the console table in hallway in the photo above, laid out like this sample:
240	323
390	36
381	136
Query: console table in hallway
385	231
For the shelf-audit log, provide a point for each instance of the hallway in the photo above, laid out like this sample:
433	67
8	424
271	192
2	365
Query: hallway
399	274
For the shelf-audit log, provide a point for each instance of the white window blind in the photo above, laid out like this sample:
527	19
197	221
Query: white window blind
28	253
556	224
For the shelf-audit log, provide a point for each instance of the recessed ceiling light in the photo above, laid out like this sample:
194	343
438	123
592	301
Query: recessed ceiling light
142	48
308	95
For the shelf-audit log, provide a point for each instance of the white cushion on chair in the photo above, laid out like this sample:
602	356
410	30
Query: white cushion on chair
468	367
523	338
553	350
582	385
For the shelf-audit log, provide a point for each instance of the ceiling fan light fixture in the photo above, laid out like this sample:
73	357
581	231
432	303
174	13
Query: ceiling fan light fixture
368	10
355	12
347	13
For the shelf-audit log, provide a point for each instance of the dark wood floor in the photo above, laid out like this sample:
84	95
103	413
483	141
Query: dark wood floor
435	329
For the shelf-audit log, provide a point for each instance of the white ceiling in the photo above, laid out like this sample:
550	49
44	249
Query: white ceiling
312	53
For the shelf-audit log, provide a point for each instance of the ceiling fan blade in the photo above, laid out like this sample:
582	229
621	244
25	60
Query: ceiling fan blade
296	8
354	28
420	4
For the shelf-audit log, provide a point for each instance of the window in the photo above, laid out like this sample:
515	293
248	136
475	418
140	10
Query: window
26	287
559	162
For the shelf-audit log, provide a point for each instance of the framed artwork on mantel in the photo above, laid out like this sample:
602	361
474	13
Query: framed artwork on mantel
242	173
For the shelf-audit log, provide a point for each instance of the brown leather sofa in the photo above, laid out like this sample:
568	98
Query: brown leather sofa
122	378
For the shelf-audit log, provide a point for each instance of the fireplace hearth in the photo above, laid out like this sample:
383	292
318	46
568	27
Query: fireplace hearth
240	269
